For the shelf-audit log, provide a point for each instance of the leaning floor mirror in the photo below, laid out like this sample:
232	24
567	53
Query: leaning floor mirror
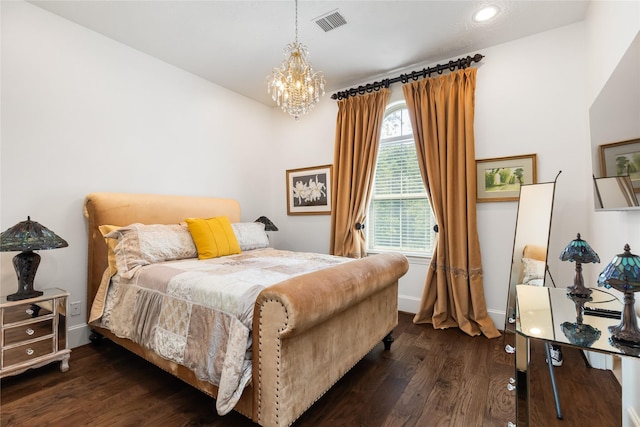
530	243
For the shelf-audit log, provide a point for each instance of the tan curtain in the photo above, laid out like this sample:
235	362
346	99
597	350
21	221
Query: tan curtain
356	149
442	112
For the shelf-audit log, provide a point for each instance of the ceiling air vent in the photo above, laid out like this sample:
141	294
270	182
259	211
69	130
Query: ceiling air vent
330	21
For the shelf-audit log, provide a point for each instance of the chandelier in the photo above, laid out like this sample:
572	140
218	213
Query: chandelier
294	85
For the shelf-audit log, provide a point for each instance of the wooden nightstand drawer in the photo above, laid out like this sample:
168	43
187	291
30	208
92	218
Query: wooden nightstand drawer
27	352
17	334
33	332
20	313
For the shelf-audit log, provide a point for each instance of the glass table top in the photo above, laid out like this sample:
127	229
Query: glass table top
551	314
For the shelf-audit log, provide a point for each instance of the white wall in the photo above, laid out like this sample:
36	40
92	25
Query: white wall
530	100
83	113
610	29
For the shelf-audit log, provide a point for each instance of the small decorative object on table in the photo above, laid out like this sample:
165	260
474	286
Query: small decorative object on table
28	236
579	251
623	274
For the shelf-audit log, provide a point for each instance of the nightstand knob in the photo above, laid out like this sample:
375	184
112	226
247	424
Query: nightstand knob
29	311
30	331
29	351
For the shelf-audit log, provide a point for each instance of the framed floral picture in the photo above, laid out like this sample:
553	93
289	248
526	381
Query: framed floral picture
309	191
499	179
621	159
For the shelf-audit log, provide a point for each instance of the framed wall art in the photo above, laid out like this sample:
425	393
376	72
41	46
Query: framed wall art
309	191
499	179
621	159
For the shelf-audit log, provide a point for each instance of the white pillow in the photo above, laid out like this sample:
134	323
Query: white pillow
141	244
250	235
533	271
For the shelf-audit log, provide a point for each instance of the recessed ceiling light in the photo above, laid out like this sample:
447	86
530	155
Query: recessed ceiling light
485	13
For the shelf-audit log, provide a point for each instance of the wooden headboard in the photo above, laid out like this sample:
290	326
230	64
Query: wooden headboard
124	209
535	252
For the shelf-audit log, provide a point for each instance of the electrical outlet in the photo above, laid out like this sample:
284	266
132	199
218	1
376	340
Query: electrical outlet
74	308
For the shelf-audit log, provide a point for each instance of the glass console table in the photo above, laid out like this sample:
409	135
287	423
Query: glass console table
552	316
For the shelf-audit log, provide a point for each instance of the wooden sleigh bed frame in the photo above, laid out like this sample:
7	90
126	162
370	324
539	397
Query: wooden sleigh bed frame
308	331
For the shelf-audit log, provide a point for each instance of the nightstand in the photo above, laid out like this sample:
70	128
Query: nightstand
34	332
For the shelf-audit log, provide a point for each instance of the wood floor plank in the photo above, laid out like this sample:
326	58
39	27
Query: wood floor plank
588	397
429	378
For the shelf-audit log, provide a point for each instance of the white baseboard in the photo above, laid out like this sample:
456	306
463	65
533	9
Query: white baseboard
78	335
599	360
497	317
408	304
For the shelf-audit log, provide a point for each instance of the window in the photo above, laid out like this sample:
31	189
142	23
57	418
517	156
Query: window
400	217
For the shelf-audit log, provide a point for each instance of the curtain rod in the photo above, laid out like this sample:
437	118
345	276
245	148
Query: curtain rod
460	63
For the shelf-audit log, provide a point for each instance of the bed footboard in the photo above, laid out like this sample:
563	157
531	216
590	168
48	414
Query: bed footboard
310	330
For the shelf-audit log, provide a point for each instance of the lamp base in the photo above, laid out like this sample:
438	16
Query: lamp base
627	331
578	288
579	291
23	295
26	264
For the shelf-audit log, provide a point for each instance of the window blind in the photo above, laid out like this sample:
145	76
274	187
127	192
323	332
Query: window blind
400	215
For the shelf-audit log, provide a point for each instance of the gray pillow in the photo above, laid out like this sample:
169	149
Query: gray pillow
250	235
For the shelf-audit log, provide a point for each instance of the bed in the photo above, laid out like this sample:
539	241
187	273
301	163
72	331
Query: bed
305	332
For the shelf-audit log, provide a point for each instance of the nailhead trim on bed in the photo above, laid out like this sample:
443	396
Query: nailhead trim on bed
277	362
278	368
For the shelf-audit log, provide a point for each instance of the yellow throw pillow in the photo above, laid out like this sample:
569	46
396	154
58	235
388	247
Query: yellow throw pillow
213	237
111	244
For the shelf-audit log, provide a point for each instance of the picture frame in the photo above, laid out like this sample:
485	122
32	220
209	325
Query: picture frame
309	190
499	178
621	159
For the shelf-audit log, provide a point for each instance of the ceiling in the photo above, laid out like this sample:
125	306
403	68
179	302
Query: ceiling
236	44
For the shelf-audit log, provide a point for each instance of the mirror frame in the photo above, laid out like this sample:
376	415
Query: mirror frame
538	233
614	192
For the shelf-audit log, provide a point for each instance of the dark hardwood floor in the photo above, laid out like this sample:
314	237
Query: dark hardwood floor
429	378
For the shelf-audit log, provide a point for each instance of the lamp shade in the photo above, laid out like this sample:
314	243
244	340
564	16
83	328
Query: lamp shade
268	225
30	236
579	250
623	270
623	274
